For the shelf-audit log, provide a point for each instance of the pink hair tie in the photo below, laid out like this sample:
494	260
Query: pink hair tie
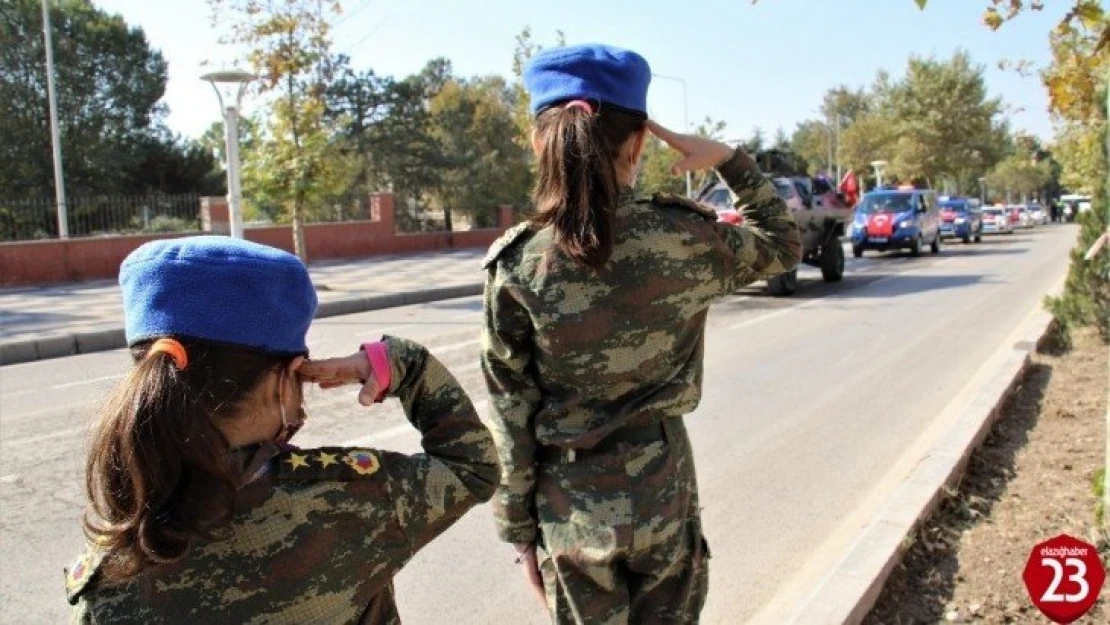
580	104
379	364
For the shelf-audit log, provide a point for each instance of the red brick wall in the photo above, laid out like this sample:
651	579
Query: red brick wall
49	262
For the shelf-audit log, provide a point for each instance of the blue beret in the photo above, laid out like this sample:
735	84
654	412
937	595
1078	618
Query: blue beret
220	289
588	72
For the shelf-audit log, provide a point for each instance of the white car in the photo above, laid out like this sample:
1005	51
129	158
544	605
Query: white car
1040	215
1025	218
996	220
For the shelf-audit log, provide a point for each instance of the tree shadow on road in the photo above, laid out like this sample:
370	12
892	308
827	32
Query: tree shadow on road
852	287
978	249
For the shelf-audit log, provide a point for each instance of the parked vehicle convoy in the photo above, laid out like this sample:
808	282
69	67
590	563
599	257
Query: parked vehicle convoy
893	219
960	219
996	220
819	210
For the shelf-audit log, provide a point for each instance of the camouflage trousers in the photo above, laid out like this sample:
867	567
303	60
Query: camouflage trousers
620	534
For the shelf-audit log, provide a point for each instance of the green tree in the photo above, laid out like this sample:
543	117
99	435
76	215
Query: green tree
945	126
755	142
870	138
388	127
483	164
109	84
846	103
780	141
173	164
811	141
1077	80
1019	176
526	47
213	139
656	175
288	46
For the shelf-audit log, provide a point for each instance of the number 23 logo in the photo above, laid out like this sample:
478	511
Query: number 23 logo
1052	594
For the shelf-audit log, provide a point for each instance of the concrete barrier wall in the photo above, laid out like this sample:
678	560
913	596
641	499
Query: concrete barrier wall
73	260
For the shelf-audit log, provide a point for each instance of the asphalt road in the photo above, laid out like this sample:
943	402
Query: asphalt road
808	401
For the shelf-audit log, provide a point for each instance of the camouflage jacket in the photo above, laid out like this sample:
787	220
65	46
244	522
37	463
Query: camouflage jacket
571	354
319	538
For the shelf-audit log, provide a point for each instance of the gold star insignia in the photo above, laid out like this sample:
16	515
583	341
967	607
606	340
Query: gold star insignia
327	459
297	460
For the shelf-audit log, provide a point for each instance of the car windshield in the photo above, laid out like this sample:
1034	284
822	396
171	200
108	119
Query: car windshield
994	211
886	203
784	189
719	199
954	206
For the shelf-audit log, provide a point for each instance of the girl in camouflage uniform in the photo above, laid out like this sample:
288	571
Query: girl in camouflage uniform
595	314
200	512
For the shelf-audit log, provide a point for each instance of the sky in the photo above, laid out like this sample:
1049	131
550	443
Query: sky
765	66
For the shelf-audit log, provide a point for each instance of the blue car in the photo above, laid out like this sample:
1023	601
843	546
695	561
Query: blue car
895	219
958	218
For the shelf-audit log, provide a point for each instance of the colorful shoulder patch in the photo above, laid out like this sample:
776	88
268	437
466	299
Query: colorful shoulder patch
505	241
678	201
81	572
341	464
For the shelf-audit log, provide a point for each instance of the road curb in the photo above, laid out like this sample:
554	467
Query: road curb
59	346
848	593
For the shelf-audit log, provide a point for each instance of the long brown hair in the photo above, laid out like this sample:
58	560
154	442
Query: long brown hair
577	188
158	474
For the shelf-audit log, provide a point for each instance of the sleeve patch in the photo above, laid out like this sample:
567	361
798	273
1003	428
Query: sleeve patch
338	464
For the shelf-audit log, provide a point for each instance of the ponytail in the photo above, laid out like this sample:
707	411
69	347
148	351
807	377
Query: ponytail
158	474
577	190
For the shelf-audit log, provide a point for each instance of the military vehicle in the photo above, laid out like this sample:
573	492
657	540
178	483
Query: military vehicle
820	210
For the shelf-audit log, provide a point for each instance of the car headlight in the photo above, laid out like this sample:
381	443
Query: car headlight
906	224
961	220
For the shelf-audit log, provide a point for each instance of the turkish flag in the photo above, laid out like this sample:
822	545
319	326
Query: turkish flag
849	188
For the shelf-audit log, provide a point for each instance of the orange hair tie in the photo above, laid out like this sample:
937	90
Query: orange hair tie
175	350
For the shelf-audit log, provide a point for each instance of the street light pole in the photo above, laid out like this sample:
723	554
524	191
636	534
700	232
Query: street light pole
234	185
686	123
878	165
236	80
55	135
838	119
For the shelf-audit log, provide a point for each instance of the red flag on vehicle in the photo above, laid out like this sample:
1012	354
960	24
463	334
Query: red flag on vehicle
849	188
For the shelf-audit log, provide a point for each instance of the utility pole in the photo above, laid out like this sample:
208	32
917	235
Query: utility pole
55	136
686	122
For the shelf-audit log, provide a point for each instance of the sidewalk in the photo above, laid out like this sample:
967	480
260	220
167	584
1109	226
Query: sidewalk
37	323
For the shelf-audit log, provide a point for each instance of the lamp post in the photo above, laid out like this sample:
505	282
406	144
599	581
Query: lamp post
686	123
878	165
232	83
55	135
839	120
983	191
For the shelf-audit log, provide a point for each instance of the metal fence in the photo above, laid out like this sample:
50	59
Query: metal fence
23	220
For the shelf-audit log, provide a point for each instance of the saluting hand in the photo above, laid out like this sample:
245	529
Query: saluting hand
697	152
335	372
